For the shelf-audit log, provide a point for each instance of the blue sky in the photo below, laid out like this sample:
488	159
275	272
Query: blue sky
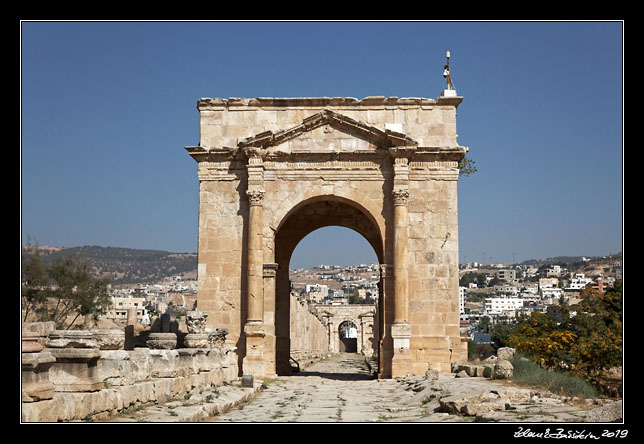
108	107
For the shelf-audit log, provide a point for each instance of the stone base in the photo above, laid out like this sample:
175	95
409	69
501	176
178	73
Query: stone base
75	370
401	362
36	385
196	340
109	339
162	341
260	348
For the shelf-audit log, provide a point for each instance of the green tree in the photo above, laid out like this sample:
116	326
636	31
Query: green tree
466	167
598	324
501	334
35	281
583	339
62	291
471	277
484	323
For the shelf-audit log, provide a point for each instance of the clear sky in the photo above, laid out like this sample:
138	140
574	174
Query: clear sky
108	107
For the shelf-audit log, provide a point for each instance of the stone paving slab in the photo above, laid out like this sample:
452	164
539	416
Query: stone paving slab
341	389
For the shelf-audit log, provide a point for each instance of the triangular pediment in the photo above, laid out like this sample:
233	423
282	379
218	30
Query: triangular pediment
373	135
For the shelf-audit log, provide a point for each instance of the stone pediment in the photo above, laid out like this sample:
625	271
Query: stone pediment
375	137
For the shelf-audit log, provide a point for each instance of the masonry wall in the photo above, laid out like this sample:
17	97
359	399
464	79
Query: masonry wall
135	377
309	337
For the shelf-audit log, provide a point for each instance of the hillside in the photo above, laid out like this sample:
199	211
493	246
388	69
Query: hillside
128	265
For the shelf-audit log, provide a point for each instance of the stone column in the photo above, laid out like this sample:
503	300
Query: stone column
401	329
400	256
270	340
255	258
255	193
253	363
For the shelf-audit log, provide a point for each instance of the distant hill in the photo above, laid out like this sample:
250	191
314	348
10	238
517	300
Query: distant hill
128	265
570	260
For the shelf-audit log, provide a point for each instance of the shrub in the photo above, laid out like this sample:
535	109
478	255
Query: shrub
528	373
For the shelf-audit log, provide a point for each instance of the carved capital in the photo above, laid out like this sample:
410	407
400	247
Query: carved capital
255	154
400	197
270	270
386	270
255	197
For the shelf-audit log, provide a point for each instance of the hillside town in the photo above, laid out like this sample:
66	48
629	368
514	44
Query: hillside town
489	294
503	293
174	295
324	284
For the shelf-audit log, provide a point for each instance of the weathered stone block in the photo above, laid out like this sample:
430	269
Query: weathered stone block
503	369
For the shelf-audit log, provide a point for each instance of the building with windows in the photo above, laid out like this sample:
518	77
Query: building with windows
506	275
502	304
121	305
316	292
578	282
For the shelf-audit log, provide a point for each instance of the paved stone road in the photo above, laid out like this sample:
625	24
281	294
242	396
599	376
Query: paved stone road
339	389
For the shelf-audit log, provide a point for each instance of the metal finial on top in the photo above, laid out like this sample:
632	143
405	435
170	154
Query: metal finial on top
450	90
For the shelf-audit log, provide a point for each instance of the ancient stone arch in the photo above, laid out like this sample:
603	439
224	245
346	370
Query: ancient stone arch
364	317
273	170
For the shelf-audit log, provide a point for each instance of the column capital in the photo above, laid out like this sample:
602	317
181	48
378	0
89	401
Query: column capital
401	196
255	197
270	270
255	155
386	270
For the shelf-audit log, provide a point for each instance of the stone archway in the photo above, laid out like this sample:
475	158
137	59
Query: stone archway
271	170
348	337
306	217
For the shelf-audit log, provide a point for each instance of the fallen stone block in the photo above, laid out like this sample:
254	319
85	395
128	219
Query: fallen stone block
503	369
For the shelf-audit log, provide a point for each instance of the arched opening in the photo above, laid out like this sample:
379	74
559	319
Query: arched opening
348	332
305	219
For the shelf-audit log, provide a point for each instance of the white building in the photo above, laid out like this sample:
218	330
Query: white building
316	292
531	297
555	270
461	299
551	293
578	282
501	304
